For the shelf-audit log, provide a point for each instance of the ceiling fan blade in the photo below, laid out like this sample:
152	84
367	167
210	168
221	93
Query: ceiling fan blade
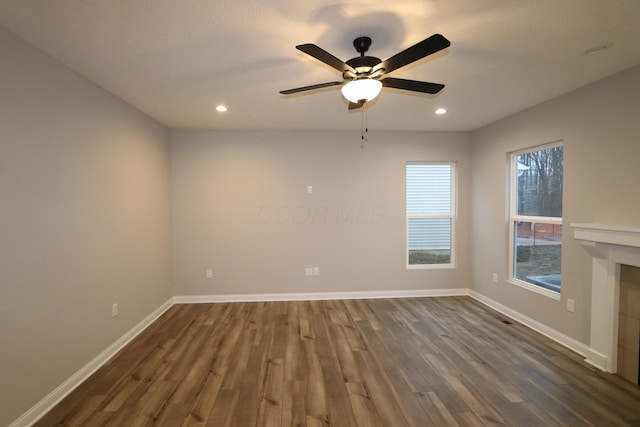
426	47
324	56
356	105
412	85
312	87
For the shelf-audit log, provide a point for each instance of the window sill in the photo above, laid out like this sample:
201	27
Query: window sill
537	289
430	267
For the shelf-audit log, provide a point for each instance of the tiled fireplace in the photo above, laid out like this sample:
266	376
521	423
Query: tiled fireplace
629	324
612	248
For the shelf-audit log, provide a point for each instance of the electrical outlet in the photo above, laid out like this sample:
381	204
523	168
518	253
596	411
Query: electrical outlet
571	305
308	271
495	278
316	271
114	310
209	274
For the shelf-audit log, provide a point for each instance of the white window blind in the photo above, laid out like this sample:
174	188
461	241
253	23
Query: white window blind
430	213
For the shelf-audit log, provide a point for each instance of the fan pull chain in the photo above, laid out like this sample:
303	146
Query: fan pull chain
365	127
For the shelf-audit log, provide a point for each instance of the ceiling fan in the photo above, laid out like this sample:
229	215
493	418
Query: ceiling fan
364	76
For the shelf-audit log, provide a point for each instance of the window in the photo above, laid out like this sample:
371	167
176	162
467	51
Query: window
430	215
535	219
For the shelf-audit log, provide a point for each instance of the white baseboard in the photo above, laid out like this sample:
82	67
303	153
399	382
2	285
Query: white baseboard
53	398
314	296
597	359
570	343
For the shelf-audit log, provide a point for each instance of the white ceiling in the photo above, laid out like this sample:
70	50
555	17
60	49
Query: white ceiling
177	59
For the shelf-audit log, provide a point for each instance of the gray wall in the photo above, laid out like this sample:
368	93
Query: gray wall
84	222
600	126
85	211
241	208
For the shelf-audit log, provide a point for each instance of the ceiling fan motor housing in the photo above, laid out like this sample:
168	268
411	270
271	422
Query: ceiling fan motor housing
363	64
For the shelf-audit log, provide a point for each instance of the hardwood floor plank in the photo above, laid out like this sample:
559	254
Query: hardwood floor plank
447	361
318	421
344	352
316	400
279	337
452	400
271	404
475	401
96	419
123	392
204	402
534	393
408	400
238	359
252	386
293	405
513	413
362	403
338	404
380	390
133	406
497	381
293	362
155	403
85	411
306	333
223	409
438	412
469	419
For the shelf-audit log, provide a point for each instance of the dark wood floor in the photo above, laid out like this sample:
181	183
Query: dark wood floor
400	362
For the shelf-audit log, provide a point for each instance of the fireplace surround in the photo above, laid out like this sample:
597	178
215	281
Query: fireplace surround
610	247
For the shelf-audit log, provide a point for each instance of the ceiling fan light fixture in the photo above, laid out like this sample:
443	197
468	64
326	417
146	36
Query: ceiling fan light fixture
359	89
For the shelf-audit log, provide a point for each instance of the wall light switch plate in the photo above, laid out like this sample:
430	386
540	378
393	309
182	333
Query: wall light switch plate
209	274
495	278
114	310
316	271
308	271
571	305
309	189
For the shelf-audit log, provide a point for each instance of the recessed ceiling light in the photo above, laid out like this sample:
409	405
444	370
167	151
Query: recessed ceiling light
596	49
221	108
441	111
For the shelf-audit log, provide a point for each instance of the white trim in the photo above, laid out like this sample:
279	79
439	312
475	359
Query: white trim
535	288
554	220
449	266
195	299
597	359
611	234
545	330
553	144
609	246
45	405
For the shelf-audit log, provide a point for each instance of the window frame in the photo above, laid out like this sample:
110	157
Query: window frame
514	218
451	215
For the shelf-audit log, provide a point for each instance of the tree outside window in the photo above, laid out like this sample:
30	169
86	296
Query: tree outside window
536	218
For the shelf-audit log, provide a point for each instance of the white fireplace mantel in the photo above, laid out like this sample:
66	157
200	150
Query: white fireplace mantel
609	246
